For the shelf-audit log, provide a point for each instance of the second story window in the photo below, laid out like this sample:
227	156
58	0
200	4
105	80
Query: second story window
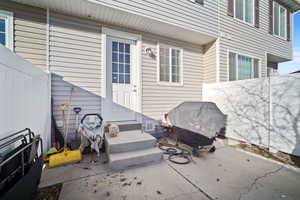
244	10
170	64
279	20
6	29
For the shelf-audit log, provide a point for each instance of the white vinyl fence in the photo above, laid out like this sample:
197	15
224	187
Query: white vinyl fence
24	97
264	111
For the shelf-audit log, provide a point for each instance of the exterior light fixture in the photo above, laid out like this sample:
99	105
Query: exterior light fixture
150	52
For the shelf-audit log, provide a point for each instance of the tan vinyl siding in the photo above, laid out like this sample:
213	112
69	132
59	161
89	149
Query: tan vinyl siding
159	99
75	61
210	63
183	13
246	39
29	32
75	58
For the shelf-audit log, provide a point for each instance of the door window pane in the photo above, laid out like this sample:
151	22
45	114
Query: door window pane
127	78
121	68
115	46
115	57
2	38
121	78
120	62
2	32
127	58
121	58
127	68
2	25
121	47
127	48
114	67
115	78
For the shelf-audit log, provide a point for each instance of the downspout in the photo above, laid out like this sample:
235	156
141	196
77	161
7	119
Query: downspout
49	76
218	43
270	113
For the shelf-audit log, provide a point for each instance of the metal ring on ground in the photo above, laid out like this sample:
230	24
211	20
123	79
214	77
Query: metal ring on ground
174	156
171	150
175	152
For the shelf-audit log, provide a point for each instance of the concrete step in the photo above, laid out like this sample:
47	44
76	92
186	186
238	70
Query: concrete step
129	141
126	125
124	160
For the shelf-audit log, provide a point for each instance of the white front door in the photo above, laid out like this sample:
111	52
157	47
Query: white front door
121	80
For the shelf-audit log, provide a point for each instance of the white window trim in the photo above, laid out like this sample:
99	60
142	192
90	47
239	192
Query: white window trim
244	21
9	27
180	83
237	68
285	19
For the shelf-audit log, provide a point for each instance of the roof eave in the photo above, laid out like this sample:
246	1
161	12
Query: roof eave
293	5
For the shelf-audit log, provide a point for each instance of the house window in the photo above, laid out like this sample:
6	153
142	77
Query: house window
279	20
170	64
6	29
244	10
242	67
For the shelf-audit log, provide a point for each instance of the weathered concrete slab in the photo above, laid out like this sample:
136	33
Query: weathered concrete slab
229	174
278	185
69	172
157	182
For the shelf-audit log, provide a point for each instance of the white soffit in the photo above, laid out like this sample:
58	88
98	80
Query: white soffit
95	11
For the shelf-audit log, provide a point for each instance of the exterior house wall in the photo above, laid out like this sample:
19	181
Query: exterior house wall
183	13
246	39
159	98
210	62
29	32
75	61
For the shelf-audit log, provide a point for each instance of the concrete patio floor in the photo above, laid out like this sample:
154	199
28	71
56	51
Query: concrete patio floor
227	174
